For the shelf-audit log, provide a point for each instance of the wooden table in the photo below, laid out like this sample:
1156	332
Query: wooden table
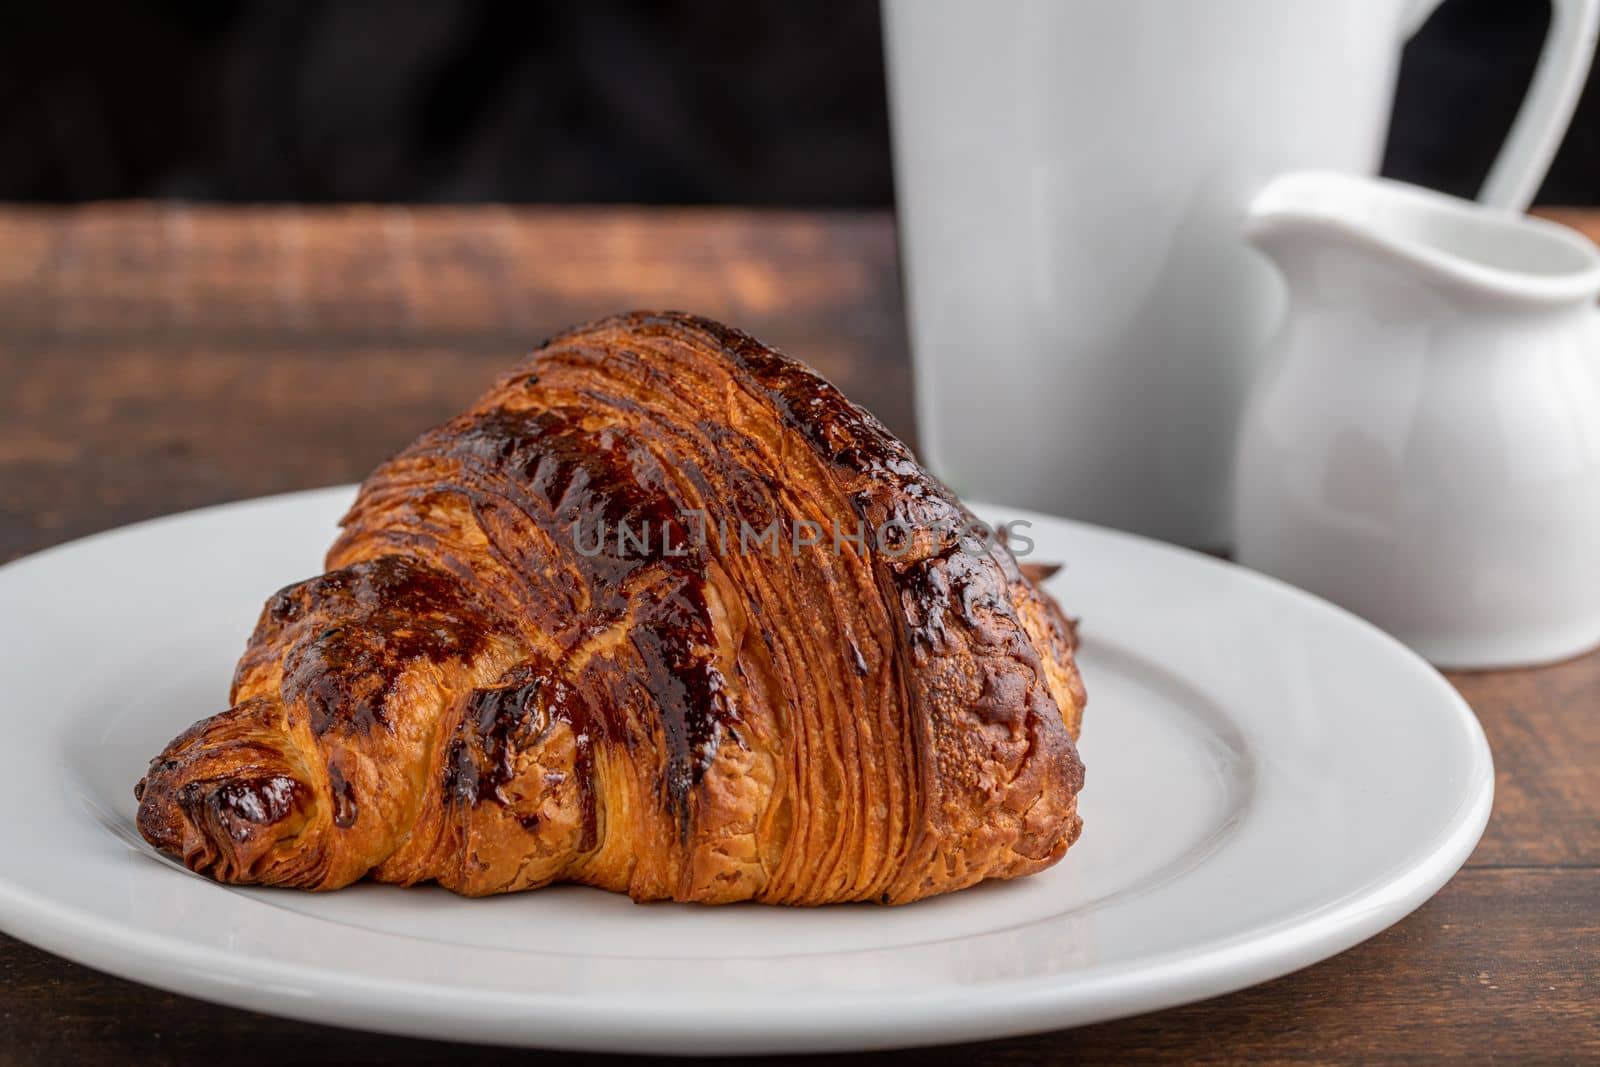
154	359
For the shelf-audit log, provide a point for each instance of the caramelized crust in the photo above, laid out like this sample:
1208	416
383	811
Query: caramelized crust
497	686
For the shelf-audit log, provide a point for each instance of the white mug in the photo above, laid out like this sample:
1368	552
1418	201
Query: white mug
1070	179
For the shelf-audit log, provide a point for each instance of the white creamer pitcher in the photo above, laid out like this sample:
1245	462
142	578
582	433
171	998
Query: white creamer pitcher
1070	176
1423	443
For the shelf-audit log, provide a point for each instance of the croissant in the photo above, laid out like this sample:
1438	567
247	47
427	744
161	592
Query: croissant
662	613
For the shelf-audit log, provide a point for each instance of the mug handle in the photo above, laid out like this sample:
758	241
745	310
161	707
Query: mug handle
1553	93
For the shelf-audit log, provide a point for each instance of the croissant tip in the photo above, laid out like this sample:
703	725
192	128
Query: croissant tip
219	803
225	827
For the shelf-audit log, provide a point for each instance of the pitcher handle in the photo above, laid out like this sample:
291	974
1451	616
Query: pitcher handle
1546	110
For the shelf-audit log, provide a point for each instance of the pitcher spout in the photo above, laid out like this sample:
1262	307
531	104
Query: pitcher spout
1456	246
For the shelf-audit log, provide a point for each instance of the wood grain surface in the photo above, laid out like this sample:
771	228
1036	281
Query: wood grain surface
154	359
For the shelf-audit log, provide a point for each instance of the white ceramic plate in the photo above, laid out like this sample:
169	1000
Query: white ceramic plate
1270	781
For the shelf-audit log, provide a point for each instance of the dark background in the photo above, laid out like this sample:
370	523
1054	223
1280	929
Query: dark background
682	102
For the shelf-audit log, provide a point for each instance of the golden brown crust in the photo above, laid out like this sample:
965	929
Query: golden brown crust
493	687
